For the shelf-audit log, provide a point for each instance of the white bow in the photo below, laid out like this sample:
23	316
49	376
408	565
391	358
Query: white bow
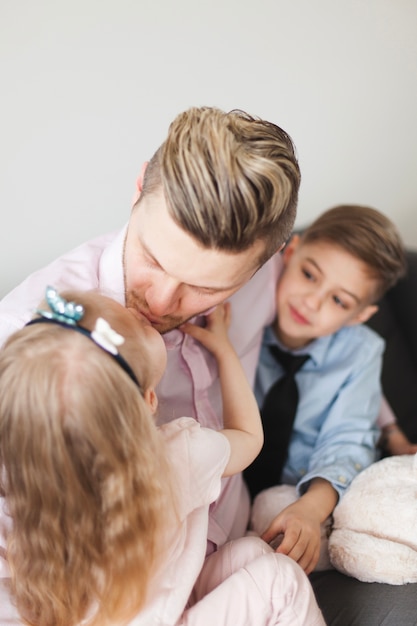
106	337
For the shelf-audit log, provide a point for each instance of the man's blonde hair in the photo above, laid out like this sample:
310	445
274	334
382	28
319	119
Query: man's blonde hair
368	235
230	180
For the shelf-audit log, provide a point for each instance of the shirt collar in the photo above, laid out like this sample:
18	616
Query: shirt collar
317	349
110	271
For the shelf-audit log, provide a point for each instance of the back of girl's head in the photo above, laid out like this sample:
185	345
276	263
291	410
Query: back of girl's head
368	235
84	478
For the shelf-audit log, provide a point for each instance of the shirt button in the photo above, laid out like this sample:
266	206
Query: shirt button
303	471
342	479
358	466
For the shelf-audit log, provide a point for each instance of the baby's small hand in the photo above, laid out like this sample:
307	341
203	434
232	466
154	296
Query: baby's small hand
214	336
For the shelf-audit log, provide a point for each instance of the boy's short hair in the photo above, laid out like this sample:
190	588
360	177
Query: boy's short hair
366	234
229	179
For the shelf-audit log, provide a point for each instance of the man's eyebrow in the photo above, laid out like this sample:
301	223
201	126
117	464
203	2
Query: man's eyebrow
318	268
157	263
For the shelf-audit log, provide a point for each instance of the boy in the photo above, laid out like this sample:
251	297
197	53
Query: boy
333	276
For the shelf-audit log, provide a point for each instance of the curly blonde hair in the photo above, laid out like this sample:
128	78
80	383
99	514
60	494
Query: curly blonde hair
84	479
229	179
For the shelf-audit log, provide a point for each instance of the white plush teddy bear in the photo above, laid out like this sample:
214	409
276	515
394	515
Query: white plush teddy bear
374	536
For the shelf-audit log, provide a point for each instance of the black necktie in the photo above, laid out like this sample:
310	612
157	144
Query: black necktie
278	414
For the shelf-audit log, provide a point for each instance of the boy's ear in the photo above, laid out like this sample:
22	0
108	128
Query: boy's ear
364	315
151	399
290	248
139	183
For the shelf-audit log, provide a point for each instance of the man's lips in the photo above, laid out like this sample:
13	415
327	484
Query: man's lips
149	318
144	317
297	317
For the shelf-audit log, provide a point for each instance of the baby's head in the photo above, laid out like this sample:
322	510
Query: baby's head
83	468
336	272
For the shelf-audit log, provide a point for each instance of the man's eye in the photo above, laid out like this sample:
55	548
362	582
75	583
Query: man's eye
150	262
200	291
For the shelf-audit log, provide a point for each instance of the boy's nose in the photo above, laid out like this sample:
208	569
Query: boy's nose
313	300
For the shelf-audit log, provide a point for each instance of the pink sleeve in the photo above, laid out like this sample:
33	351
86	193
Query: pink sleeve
198	456
386	415
77	269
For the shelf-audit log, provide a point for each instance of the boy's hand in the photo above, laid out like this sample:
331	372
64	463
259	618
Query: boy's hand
214	336
395	442
301	535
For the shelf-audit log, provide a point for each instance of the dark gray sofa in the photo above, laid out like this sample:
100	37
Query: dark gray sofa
346	601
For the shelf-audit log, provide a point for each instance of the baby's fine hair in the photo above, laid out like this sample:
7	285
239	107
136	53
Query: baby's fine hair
229	179
84	477
366	234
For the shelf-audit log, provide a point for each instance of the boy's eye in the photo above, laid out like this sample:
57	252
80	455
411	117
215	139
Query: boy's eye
308	274
339	302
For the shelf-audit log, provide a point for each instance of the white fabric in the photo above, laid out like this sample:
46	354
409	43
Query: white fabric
374	538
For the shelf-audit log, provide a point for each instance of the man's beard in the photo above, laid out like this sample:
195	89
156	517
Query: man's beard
163	324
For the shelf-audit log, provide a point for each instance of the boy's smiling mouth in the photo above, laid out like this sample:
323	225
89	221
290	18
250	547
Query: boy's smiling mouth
297	317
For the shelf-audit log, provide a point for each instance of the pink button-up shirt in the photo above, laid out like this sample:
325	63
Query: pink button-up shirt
190	385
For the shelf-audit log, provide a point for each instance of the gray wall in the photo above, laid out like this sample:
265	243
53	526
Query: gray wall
88	88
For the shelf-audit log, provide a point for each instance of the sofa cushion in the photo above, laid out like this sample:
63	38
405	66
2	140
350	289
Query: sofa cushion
396	322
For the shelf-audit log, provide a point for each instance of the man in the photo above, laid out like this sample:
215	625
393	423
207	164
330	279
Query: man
215	202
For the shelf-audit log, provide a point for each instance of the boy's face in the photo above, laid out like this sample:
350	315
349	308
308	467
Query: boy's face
322	288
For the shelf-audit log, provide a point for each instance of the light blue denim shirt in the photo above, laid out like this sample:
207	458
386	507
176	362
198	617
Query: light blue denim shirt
334	433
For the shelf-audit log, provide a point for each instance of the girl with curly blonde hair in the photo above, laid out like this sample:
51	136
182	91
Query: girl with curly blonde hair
103	516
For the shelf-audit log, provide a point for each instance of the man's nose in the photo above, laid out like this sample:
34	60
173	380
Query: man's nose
163	297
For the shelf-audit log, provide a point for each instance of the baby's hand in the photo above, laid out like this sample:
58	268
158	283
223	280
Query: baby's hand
214	336
395	442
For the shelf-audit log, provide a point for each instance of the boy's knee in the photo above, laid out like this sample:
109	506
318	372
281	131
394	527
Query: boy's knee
269	503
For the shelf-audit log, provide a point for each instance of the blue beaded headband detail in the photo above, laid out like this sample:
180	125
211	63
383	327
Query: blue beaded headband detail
68	314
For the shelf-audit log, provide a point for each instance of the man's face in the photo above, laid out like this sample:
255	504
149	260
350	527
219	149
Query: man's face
322	288
169	276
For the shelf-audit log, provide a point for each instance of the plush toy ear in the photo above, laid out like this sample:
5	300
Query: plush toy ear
374	536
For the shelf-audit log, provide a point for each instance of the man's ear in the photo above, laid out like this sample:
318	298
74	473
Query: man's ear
364	315
151	399
290	248
139	183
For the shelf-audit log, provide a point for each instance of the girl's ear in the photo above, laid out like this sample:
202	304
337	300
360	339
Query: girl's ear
151	399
